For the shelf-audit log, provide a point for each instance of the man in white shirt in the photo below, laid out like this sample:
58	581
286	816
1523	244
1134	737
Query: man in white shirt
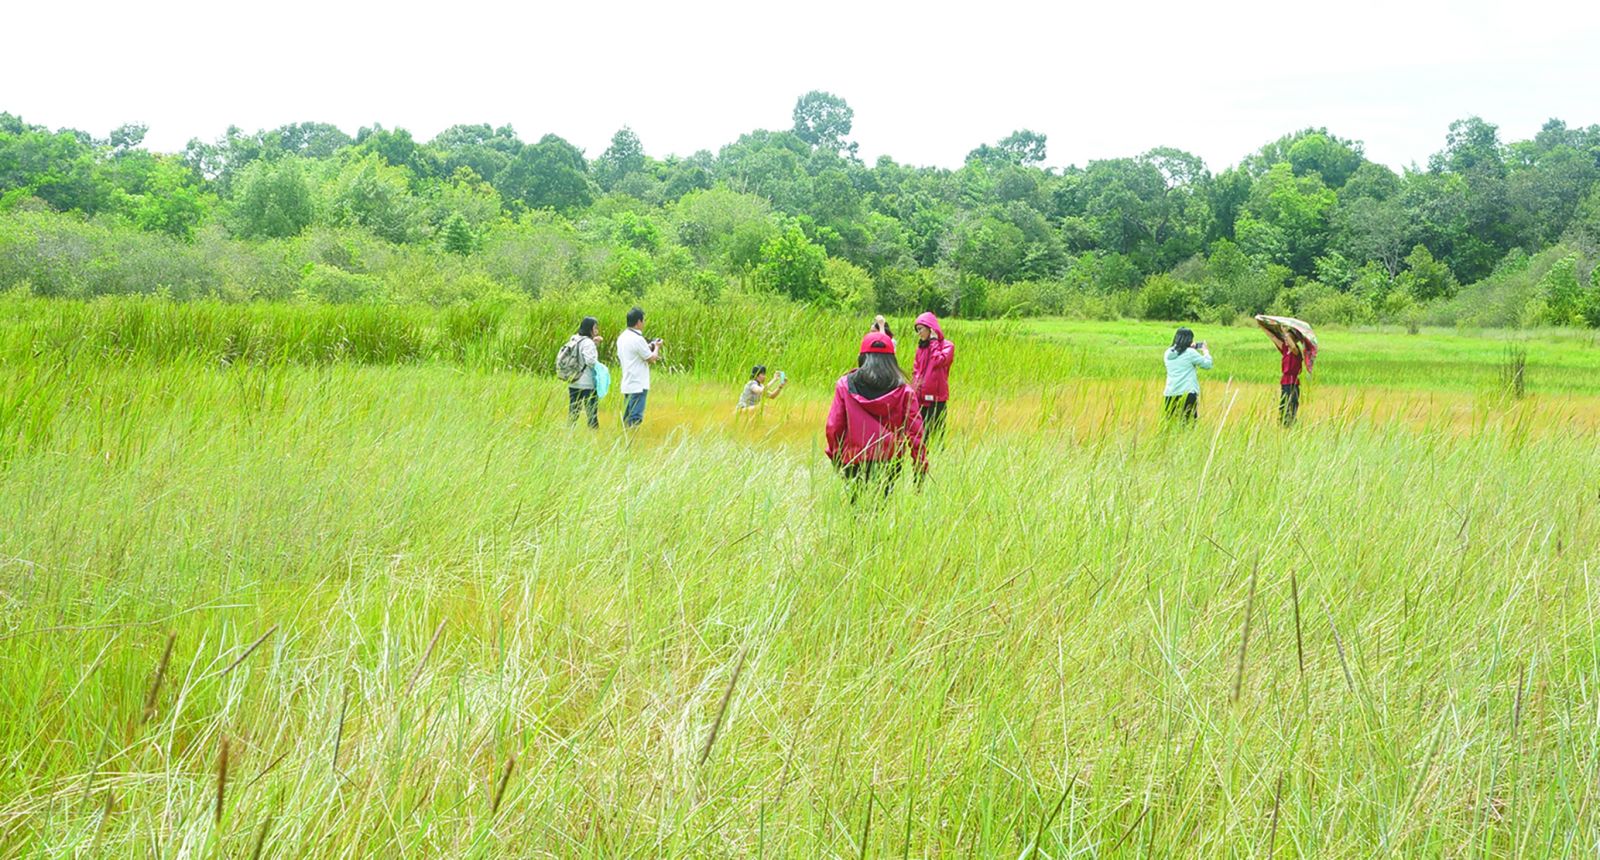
636	355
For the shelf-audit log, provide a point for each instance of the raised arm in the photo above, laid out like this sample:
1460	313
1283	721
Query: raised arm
1273	332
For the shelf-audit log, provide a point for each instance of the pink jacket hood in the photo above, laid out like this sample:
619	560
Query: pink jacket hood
882	428
930	370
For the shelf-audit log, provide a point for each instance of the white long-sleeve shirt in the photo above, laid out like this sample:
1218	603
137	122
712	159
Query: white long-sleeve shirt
634	354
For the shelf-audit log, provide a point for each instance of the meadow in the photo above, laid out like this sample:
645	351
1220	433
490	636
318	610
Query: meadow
314	581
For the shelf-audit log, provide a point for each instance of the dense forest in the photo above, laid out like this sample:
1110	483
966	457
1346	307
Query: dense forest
1488	233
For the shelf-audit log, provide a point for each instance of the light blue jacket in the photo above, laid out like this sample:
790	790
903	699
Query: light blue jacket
1183	372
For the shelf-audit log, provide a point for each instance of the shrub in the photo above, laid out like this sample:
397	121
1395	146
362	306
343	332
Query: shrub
1166	298
1339	308
321	282
847	286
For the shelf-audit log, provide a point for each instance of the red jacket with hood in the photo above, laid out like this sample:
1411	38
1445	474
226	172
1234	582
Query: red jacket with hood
930	370
870	430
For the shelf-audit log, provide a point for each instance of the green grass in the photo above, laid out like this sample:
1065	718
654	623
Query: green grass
1038	654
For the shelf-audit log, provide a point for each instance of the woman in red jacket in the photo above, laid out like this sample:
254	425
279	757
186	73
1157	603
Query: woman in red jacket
873	423
930	372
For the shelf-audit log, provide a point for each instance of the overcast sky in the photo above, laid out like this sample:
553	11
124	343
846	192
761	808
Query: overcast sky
928	82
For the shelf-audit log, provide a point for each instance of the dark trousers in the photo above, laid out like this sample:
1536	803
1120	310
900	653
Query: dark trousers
1289	403
932	419
871	475
587	400
1183	407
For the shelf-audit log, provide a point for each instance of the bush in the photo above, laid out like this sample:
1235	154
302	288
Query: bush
629	272
1339	308
847	286
319	282
1166	298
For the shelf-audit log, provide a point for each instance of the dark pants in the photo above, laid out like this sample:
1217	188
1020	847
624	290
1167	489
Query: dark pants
633	409
1289	403
870	475
1184	407
932	419
585	399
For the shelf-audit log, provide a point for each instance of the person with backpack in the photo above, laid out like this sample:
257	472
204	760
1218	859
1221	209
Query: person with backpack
1185	359
636	355
873	424
930	371
575	364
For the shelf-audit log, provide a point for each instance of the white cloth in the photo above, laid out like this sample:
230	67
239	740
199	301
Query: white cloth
591	356
634	354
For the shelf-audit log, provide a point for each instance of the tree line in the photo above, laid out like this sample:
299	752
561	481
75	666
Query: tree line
1487	232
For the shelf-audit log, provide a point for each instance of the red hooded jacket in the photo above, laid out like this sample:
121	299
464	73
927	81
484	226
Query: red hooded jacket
930	370
885	428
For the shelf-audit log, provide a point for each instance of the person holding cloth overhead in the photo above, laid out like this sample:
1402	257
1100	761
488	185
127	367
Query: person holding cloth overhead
1185	359
1297	343
930	372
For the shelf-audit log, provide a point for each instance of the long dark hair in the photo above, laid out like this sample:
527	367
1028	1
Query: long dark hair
586	328
757	370
879	371
1181	341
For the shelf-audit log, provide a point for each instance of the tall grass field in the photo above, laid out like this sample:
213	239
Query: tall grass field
298	581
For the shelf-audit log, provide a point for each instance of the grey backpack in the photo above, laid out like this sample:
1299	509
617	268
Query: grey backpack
569	359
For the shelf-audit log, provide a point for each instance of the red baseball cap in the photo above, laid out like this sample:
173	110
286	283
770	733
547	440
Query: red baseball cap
877	341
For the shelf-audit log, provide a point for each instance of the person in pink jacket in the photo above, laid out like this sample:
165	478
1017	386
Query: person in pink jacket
930	372
874	424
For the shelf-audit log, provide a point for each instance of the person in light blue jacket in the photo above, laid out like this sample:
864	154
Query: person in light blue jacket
1185	360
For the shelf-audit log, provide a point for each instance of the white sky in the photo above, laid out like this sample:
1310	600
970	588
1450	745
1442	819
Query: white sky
928	81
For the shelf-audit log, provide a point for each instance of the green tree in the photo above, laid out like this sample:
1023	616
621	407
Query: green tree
847	286
707	221
399	149
823	120
1300	208
168	201
483	149
550	174
1023	147
275	200
369	192
793	265
1426	278
1314	150
458	236
624	156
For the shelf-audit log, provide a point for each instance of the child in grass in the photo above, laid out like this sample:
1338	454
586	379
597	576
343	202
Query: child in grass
756	389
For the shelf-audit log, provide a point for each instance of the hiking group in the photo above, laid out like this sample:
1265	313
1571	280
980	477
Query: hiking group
878	418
